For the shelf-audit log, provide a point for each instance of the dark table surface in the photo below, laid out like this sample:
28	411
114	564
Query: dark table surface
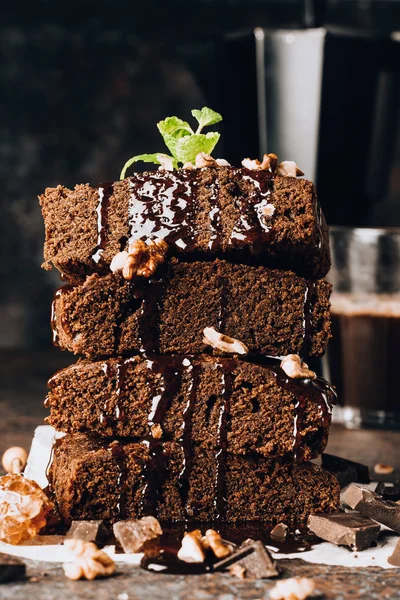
23	379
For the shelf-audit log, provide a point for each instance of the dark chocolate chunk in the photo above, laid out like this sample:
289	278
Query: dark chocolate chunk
372	505
253	557
394	559
88	531
345	471
345	529
389	491
134	535
10	568
279	532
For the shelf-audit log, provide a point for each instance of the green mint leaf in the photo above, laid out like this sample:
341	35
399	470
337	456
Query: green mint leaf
206	117
174	126
156	158
187	148
172	129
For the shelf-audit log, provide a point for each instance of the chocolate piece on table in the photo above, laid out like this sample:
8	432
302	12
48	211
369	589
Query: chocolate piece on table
133	535
279	532
394	559
10	568
345	471
389	491
345	529
253	557
372	505
88	531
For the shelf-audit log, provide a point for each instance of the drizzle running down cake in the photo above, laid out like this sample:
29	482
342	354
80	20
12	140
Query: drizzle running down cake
272	312
95	480
247	215
172	275
201	402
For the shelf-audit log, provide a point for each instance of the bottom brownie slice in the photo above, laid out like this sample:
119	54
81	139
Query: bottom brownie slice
94	480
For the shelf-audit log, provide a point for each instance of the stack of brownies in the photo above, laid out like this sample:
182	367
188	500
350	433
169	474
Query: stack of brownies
188	289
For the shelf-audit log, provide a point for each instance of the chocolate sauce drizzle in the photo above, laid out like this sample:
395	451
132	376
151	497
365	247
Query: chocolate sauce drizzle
53	318
252	226
172	369
118	454
161	207
309	298
220	495
105	191
185	439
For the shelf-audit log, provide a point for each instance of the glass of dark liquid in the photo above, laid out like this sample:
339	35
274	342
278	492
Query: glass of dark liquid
363	358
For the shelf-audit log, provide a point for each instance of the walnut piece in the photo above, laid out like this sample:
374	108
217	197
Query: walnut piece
287	168
142	259
295	588
192	548
222	342
268	162
89	562
213	540
382	469
156	431
166	162
295	368
237	571
206	160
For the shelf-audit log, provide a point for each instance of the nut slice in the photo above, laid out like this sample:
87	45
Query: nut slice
222	342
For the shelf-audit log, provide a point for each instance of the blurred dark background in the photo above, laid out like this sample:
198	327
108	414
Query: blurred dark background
84	84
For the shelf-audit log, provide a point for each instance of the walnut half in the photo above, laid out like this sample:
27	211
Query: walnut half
222	342
142	259
89	561
295	368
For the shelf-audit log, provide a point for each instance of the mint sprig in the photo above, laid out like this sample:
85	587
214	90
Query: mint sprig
180	139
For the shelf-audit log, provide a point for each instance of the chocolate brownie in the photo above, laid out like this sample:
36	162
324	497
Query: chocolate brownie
94	480
273	312
249	216
204	401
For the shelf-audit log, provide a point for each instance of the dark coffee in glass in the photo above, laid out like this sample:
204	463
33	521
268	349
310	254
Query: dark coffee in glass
363	356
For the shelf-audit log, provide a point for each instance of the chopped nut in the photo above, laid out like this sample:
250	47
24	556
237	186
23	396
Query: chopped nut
156	431
288	168
295	368
89	563
166	162
213	540
192	549
141	259
382	469
206	160
268	210
222	342
295	588
118	262
221	162
189	166
237	571
269	162
279	532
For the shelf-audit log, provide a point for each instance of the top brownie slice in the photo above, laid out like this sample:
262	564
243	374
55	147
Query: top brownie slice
239	214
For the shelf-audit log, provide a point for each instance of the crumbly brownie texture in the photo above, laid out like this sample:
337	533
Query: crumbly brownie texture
91	480
246	215
201	401
273	312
